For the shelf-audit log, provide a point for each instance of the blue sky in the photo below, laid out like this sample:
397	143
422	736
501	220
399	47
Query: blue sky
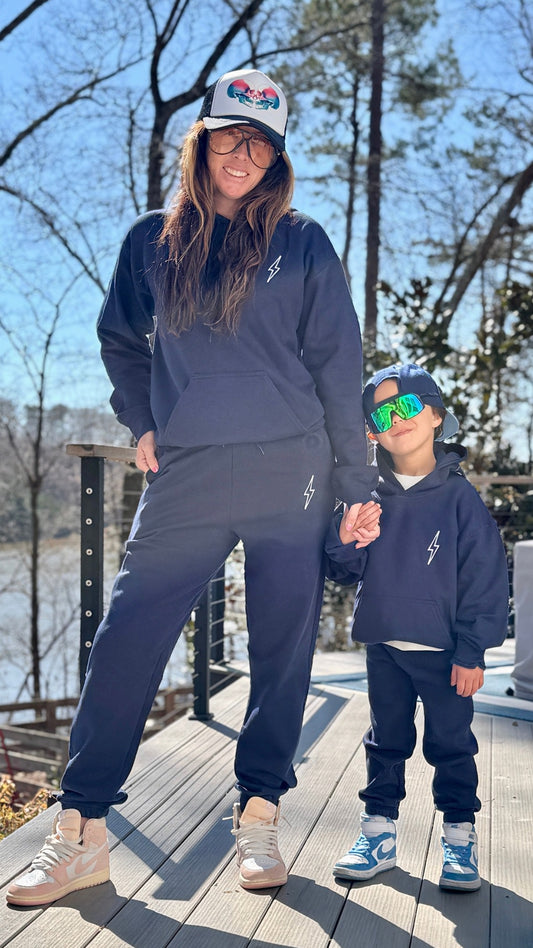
39	267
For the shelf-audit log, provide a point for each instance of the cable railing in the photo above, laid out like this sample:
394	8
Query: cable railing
210	669
209	673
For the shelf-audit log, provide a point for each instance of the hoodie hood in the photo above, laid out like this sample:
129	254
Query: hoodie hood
447	456
437	575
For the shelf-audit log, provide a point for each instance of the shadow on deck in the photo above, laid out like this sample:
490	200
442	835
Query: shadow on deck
173	868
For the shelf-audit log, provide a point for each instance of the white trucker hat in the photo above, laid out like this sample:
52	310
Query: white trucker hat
247	97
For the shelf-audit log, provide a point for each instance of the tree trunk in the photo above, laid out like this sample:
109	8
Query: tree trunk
374	173
156	154
352	178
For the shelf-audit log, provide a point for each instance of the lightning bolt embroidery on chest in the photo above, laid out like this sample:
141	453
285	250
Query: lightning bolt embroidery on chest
274	268
433	546
308	492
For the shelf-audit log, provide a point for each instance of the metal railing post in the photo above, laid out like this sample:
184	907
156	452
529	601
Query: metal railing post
200	675
218	608
209	613
92	555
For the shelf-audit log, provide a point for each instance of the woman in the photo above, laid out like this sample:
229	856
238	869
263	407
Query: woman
233	347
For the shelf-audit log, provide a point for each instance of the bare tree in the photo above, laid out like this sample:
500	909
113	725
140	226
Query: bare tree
34	463
60	220
374	67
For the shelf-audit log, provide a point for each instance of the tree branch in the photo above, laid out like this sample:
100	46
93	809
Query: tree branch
303	45
162	39
75	96
51	224
523	181
200	85
23	15
458	255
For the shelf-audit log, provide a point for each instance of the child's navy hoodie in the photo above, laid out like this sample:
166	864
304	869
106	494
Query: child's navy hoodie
293	366
437	575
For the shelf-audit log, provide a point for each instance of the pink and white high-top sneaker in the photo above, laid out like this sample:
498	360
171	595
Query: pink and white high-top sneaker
70	859
258	857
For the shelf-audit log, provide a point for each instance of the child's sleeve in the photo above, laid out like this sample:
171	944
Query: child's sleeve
482	585
344	564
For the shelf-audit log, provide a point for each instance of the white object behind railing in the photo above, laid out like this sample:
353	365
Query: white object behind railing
522	674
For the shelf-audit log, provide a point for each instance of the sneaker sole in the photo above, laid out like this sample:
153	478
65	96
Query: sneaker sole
460	886
343	872
84	883
258	884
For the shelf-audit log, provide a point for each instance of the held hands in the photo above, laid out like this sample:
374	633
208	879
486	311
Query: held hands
360	524
466	680
145	458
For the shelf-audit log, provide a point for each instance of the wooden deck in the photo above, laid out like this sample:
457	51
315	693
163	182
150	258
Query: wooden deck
173	870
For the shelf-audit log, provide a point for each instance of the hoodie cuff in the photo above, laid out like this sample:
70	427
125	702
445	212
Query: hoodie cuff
345	564
138	420
355	485
467	657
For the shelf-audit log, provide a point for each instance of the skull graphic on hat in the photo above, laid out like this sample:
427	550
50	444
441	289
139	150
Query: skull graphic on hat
254	98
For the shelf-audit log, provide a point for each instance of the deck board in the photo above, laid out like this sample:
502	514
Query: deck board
382	911
512	834
172	859
185	878
450	918
297	916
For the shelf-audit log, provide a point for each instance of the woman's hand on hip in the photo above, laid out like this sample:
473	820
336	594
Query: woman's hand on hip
146	459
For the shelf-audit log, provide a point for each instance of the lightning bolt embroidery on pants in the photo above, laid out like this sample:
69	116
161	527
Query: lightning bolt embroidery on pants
274	268
308	492
433	546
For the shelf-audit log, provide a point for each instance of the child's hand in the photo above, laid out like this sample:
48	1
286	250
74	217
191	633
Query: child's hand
360	524
466	680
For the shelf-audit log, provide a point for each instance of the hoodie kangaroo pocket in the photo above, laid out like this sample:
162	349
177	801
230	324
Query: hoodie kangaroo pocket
232	408
381	618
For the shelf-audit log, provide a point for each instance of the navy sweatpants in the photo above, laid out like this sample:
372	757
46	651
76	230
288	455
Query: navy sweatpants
395	679
277	498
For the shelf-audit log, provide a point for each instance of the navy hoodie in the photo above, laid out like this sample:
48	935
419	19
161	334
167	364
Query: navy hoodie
293	365
437	575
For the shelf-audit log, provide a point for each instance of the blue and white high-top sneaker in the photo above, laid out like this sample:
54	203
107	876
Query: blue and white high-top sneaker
459	870
373	852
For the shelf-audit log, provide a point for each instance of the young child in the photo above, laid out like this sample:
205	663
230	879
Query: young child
434	596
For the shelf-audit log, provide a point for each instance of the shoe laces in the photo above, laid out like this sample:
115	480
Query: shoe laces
256	839
54	851
455	853
362	845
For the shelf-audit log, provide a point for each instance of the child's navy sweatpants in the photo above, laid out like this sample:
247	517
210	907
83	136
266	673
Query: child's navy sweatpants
277	498
395	679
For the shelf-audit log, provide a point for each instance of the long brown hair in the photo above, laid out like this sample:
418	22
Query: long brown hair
187	232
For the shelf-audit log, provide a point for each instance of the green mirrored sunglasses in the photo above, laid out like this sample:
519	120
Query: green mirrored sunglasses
405	406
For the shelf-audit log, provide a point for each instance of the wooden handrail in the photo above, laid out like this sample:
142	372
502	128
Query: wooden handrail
111	452
115	452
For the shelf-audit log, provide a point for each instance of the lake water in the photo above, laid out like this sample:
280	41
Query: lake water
59	619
